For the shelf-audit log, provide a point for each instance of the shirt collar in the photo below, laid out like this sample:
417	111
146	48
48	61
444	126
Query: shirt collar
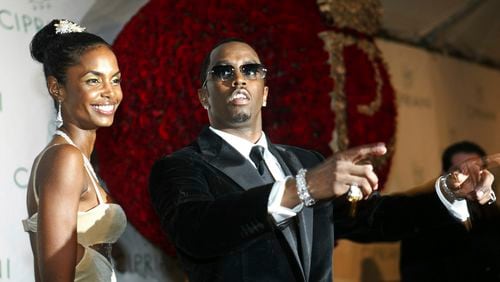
243	146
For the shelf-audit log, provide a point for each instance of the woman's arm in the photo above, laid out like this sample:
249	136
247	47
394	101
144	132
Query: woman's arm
61	179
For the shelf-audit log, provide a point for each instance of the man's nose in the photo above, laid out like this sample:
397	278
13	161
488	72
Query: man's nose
239	79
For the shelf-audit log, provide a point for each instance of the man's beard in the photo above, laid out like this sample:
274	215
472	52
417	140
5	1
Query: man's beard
241	117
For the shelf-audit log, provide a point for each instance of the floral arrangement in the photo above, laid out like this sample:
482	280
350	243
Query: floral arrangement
160	52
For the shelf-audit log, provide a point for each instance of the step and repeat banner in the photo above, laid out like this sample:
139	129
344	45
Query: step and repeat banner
27	119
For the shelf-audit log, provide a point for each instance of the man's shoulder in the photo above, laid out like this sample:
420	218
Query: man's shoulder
188	152
191	149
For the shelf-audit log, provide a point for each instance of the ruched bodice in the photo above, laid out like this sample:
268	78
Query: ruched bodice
102	224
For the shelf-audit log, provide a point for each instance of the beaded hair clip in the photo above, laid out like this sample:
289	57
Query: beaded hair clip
65	26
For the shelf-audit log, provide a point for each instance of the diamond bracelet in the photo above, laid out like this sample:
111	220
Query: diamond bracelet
446	189
303	189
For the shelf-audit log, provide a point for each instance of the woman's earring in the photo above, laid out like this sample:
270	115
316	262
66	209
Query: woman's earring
264	103
59	119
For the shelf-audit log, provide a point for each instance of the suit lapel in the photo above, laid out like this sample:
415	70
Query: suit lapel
291	165
305	224
228	160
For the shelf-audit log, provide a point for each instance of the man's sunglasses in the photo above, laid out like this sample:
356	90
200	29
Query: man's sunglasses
227	72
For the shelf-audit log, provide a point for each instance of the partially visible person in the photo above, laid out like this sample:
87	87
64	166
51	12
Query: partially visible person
456	252
72	220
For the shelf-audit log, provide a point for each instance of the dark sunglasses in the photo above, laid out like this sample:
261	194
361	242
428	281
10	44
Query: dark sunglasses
227	72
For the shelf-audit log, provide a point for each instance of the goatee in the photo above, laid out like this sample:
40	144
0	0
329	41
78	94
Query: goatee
241	117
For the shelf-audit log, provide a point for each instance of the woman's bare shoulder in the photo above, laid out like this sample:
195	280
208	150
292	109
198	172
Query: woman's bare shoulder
61	169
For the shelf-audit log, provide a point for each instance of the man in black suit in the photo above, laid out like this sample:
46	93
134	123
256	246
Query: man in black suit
434	255
231	205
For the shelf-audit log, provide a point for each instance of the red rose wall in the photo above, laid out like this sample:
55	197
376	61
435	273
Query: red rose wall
161	49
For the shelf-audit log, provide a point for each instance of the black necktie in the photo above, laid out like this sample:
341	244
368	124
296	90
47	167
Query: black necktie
257	157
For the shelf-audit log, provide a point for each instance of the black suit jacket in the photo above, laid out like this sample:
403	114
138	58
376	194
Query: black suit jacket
212	204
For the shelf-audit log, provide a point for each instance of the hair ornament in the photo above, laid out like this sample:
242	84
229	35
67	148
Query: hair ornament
65	26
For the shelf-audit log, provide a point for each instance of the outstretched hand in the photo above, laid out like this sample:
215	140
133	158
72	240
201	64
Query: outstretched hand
350	167
333	177
472	180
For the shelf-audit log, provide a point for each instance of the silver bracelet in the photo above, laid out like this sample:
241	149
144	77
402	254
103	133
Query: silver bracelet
446	189
303	189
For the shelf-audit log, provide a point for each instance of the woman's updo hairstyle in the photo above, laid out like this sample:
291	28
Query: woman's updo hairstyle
59	45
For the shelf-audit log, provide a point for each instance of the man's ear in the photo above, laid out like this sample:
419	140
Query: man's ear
264	97
55	88
203	97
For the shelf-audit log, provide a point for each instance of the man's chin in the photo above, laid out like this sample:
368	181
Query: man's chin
240	118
